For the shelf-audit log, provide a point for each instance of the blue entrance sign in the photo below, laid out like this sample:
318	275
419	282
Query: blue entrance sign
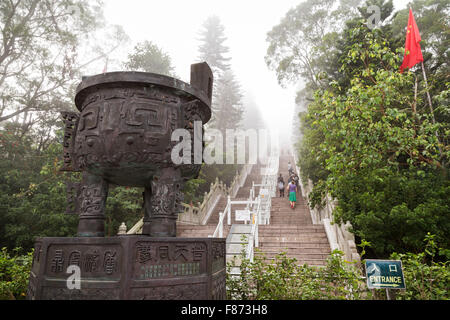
384	274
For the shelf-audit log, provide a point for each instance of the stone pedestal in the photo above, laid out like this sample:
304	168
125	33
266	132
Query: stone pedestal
131	267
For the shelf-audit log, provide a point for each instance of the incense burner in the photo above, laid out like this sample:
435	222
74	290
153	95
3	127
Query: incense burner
122	136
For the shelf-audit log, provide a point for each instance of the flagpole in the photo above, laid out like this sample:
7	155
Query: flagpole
415	53
428	93
431	109
414	106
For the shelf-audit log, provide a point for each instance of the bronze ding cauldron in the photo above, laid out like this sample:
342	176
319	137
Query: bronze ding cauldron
122	136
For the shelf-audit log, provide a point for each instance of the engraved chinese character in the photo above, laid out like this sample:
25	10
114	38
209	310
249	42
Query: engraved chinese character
163	252
198	252
110	262
74	258
144	252
57	261
180	251
91	261
218	250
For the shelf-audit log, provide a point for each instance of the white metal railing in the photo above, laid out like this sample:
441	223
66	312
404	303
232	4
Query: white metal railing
259	206
253	240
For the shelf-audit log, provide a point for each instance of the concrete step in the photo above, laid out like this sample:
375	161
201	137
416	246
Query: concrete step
305	245
293	238
295	250
291	227
298	256
310	253
300	262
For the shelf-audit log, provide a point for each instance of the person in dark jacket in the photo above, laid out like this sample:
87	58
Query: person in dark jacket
281	185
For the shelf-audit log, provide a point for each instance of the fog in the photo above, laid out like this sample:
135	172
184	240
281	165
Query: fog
174	26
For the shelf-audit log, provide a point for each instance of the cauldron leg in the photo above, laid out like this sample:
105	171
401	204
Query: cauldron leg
92	203
162	202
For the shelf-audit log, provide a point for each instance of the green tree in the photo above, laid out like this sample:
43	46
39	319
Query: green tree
212	48
425	278
366	138
303	45
38	60
32	191
382	154
227	108
148	57
227	97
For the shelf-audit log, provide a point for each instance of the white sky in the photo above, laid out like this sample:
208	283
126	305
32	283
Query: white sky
173	25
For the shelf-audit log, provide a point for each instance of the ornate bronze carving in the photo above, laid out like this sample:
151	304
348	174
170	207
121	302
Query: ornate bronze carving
131	267
123	136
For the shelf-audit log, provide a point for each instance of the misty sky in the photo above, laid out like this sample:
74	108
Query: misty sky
173	25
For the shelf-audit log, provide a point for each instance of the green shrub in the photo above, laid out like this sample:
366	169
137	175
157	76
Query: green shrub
425	278
14	274
284	279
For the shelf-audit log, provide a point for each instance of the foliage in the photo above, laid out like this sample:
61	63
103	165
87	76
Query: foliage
284	279
366	138
148	57
33	194
303	44
32	191
382	152
124	204
227	108
425	278
227	111
191	190
39	60
212	48
14	274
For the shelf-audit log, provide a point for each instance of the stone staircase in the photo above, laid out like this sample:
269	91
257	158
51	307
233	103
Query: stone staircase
191	231
307	243
290	230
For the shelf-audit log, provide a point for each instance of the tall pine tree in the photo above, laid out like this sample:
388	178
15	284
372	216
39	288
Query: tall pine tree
228	107
212	48
227	96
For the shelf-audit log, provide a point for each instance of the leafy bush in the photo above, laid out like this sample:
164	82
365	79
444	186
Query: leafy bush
14	274
425	278
284	279
382	155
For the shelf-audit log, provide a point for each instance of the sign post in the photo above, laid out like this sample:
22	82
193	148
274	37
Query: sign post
385	274
242	215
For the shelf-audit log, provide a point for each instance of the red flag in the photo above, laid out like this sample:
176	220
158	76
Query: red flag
413	54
